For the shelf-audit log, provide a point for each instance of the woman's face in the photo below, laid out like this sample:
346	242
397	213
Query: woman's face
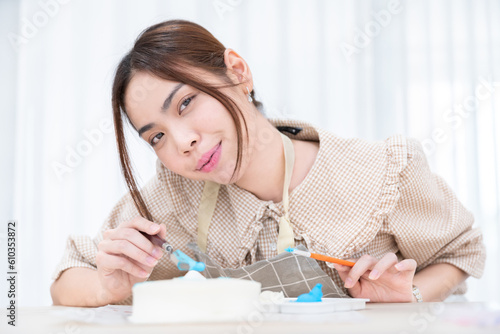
191	132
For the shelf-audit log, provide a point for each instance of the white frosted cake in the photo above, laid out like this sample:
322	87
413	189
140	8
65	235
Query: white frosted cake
194	300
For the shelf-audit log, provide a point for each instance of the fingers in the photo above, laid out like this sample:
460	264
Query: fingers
142	224
363	264
125	247
406	265
343	271
372	268
135	238
109	263
163	231
155	233
137	231
385	264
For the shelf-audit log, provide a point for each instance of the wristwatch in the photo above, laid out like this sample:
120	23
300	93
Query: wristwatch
416	293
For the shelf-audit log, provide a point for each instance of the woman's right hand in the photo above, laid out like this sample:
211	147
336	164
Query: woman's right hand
126	257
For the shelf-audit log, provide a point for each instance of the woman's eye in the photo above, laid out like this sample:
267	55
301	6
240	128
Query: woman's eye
185	103
156	139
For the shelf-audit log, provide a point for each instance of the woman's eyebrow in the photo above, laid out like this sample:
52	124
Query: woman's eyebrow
165	107
145	128
168	100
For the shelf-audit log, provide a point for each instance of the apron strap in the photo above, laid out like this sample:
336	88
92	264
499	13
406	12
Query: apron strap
206	211
211	191
285	234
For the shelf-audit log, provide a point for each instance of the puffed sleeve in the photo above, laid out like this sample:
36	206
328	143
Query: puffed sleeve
81	250
430	224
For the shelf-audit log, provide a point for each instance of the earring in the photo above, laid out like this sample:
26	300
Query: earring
249	96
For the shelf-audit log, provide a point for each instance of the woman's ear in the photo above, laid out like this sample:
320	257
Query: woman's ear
238	69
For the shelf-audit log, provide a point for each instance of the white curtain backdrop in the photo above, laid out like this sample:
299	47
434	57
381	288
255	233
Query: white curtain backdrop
366	69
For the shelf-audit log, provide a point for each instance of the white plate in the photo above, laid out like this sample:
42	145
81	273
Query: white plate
327	305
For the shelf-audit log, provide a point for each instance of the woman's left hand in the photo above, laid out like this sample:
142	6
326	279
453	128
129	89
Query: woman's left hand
384	281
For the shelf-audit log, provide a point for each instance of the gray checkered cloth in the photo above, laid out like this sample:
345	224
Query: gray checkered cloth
292	274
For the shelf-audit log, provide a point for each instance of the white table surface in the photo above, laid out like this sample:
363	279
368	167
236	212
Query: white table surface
376	318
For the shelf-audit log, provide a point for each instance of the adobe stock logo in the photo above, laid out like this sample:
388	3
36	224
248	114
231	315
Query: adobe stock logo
223	6
372	28
455	116
74	156
30	28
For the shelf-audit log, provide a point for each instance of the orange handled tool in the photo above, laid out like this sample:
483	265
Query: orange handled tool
320	257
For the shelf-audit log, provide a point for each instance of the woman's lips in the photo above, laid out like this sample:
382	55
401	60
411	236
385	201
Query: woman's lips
210	159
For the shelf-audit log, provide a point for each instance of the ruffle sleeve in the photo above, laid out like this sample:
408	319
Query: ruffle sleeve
428	222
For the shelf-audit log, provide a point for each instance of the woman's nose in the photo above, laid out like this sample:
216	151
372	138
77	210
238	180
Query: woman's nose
186	143
185	138
189	147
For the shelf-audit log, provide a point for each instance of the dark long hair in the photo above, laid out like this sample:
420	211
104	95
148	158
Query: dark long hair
170	50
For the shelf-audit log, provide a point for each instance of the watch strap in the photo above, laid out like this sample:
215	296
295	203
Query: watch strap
417	294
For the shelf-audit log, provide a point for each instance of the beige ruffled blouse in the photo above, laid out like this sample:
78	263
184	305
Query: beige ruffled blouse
359	198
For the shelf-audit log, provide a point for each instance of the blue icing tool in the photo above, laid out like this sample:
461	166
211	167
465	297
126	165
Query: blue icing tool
312	296
184	262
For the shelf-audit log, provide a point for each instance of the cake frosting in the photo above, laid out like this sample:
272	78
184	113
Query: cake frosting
194	298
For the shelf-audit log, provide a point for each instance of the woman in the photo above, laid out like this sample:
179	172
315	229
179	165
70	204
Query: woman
193	101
